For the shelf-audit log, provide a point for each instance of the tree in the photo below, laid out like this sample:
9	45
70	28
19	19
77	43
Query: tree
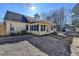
75	15
44	15
75	9
75	23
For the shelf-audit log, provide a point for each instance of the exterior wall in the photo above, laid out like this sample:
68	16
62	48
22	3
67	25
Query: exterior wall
2	30
53	27
28	31
39	32
34	32
47	28
18	26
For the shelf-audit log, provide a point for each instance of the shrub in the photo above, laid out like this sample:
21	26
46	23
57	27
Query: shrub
18	33
55	33
23	32
13	34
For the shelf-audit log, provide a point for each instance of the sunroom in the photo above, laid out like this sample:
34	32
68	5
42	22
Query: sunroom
40	28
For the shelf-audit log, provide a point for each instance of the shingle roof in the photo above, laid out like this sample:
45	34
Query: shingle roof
16	17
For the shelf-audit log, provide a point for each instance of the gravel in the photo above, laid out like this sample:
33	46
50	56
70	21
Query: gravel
52	45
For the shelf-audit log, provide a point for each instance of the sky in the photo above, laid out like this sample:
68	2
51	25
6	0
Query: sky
30	9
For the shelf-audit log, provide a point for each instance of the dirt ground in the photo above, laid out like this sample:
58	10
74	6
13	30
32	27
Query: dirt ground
23	48
75	47
32	45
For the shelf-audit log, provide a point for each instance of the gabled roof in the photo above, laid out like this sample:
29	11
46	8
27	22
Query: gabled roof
12	16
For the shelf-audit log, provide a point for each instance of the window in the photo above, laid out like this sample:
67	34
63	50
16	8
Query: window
31	27
34	27
43	27
27	27
11	27
37	27
51	27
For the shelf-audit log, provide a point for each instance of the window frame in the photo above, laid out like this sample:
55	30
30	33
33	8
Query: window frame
27	27
12	28
43	27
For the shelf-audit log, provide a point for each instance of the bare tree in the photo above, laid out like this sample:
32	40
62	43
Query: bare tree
44	15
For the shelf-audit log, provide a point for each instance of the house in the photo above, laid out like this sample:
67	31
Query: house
15	22
37	28
68	28
42	27
2	30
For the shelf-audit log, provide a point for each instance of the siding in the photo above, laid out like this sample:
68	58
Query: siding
2	30
18	26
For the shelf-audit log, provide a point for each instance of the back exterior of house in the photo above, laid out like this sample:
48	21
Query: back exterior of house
16	23
37	28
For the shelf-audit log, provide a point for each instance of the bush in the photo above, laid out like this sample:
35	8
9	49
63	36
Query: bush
55	33
18	33
23	32
13	34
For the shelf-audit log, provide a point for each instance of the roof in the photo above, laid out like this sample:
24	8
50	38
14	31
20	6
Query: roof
44	22
12	16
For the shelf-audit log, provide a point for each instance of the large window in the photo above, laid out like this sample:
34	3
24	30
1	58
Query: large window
37	27
27	27
34	27
43	27
31	27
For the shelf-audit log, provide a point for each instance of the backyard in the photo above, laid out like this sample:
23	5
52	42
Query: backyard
52	45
